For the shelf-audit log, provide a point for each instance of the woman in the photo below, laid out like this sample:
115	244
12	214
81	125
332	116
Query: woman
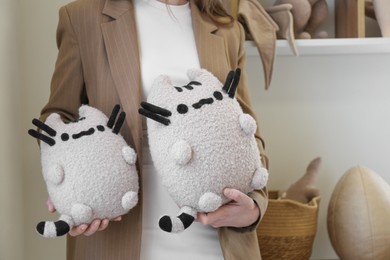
109	52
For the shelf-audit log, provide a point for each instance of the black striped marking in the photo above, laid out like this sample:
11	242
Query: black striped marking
186	219
62	227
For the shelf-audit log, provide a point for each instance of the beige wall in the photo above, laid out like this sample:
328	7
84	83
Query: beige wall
11	209
38	52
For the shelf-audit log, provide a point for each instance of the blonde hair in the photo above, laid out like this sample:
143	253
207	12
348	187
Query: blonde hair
215	10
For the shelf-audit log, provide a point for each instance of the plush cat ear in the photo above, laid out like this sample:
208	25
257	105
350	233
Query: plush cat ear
203	76
54	121
94	115
162	80
198	73
85	110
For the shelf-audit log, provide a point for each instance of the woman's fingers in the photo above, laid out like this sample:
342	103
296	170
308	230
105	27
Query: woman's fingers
119	218
78	230
50	205
95	226
104	224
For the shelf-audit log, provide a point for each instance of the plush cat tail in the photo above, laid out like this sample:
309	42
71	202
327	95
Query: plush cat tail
51	229
178	224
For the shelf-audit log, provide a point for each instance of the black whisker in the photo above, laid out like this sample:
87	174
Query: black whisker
44	127
154	116
156	109
119	123
34	133
114	113
236	80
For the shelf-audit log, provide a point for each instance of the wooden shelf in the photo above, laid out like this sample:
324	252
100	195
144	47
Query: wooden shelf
339	46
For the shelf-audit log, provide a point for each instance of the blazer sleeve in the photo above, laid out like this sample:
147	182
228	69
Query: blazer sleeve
67	89
259	196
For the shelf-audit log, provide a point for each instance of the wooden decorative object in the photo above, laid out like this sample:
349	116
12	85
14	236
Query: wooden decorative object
350	18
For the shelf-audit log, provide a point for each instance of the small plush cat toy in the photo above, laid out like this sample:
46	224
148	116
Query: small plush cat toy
201	142
88	168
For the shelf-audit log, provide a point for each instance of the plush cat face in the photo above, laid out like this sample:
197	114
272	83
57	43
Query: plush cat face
169	104
90	122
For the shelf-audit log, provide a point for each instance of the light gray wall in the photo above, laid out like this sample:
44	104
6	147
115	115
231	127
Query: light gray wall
333	106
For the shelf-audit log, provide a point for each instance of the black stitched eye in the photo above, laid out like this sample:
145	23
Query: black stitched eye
218	95
100	128
64	137
182	109
196	83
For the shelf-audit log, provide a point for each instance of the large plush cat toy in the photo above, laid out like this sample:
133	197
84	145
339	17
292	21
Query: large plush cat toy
201	142
88	168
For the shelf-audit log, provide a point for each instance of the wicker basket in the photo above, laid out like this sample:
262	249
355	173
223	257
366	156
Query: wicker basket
287	229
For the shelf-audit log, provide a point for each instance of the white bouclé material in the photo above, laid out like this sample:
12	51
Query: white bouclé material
209	202
248	124
90	171
224	151
50	230
181	152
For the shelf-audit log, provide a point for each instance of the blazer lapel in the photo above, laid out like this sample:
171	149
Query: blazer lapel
123	56
208	44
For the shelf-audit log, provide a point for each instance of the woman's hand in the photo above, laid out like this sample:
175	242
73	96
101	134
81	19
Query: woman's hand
84	229
96	225
50	205
242	211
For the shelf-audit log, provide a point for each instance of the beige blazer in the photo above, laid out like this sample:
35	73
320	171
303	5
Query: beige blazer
98	64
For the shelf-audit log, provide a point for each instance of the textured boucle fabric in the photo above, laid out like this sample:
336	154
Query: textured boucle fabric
92	174
206	147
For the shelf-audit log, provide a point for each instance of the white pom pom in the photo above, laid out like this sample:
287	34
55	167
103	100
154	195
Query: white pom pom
248	124
129	155
210	202
260	178
181	152
81	214
129	200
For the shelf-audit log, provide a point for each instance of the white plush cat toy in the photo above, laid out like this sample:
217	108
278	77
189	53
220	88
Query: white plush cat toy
201	142
88	168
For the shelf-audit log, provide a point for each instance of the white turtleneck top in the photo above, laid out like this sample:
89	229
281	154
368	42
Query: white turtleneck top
167	46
